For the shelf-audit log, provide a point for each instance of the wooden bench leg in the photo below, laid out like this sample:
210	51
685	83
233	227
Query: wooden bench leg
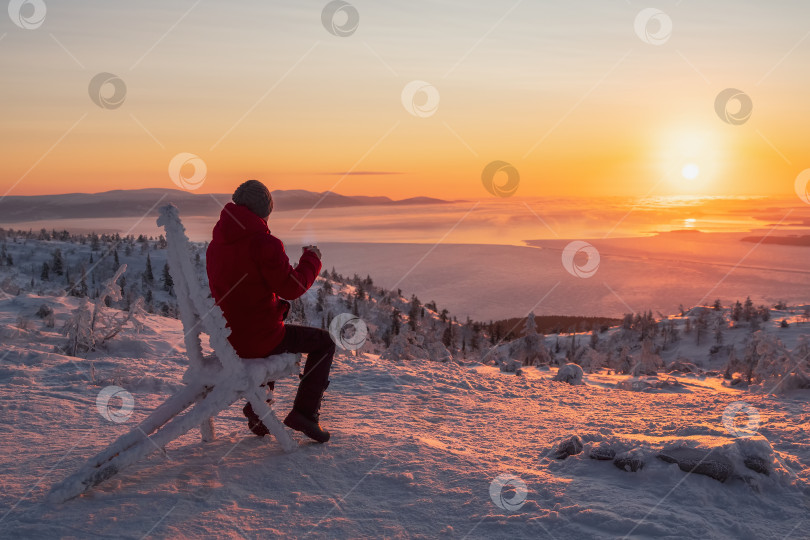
207	430
139	445
160	416
271	421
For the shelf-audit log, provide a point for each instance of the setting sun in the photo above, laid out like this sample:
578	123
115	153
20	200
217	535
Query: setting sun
690	171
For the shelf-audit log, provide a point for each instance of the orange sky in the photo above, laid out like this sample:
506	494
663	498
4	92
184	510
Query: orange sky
578	102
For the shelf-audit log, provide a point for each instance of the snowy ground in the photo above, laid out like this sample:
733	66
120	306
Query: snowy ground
415	449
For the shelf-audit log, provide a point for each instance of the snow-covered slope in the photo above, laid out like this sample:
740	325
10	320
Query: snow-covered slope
420	449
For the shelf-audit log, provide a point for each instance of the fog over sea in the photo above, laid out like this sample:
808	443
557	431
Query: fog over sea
511	221
502	258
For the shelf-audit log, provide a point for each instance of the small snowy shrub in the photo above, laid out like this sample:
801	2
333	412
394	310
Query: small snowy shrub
767	359
90	326
593	361
23	323
78	330
511	366
44	310
649	362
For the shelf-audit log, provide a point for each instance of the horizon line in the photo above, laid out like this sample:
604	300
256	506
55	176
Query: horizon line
784	196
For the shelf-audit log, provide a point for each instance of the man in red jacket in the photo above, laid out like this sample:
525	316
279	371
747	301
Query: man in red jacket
250	276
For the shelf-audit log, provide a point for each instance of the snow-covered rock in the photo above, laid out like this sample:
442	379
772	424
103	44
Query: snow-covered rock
568	447
650	384
630	461
684	366
510	365
569	373
697	461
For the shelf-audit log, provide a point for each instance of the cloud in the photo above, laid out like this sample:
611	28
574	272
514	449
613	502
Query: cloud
361	173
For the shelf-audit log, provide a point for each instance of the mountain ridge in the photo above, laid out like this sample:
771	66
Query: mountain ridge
137	202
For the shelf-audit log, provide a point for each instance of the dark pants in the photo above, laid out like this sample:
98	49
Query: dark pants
319	348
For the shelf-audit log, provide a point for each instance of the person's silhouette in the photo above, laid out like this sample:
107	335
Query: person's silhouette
251	279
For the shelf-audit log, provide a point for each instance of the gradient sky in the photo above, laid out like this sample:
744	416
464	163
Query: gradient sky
564	91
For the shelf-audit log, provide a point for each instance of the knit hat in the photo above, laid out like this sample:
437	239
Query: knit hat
255	196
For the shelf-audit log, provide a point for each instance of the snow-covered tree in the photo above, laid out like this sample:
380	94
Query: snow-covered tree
149	301
737	311
802	351
530	326
327	288
297	314
593	341
395	324
649	362
168	283
413	312
701	326
774	360
57	264
78	329
748	309
148	274
448	337
670	333
409	345
766	358
82	288
733	363
530	349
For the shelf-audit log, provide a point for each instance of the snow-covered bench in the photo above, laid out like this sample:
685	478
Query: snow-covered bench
212	383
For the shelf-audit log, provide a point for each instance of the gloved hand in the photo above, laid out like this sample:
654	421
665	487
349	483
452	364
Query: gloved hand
313	249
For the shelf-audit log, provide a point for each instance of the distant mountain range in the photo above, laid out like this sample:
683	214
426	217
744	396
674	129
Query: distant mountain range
793	240
137	202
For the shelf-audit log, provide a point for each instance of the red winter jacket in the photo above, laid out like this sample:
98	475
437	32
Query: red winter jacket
249	273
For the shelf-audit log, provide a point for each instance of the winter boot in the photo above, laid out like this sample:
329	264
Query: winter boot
305	414
254	422
306	424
